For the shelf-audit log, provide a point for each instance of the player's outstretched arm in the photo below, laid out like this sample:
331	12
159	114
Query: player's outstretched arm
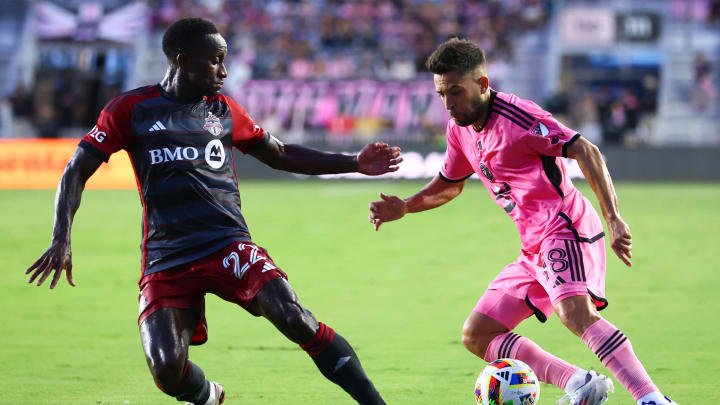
436	193
373	160
58	256
596	172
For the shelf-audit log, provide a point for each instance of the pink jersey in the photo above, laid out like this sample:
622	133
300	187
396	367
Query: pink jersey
517	156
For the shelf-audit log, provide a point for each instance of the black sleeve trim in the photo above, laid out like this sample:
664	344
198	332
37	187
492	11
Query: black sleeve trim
575	232
568	143
538	313
455	181
93	150
262	143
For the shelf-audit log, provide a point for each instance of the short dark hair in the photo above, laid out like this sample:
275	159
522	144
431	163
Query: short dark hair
455	54
184	34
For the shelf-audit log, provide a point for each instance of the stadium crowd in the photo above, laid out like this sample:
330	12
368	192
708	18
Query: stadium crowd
385	40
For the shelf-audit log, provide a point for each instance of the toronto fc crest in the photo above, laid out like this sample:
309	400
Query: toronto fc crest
213	125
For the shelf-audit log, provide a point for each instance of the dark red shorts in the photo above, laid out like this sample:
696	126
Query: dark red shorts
235	273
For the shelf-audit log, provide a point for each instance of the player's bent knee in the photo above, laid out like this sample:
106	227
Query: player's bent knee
168	376
475	340
167	367
478	331
577	314
579	322
470	343
299	325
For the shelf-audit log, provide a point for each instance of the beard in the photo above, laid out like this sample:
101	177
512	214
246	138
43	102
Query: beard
477	108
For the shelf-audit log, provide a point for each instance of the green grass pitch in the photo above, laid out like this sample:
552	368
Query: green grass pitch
399	296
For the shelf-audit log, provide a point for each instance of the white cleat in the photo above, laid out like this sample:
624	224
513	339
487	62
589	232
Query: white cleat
666	401
217	395
594	391
220	392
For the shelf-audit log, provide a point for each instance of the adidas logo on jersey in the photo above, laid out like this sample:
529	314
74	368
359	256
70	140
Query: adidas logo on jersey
157	126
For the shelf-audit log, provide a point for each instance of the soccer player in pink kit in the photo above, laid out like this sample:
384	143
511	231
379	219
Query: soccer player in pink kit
515	147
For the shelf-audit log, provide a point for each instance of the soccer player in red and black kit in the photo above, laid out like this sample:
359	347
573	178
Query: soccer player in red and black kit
179	135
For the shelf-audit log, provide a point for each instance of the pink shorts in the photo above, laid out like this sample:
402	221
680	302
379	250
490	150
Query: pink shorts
563	268
235	273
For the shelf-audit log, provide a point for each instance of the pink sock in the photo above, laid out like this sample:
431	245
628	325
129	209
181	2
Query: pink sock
616	353
548	368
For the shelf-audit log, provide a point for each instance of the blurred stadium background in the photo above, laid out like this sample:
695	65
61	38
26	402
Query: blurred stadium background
641	78
638	77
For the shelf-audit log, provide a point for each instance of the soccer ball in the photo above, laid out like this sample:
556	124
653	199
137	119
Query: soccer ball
507	382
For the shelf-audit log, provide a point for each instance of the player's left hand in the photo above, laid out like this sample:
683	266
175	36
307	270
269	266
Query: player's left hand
620	239
378	158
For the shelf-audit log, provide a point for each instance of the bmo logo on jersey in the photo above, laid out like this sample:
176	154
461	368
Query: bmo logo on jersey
170	155
214	154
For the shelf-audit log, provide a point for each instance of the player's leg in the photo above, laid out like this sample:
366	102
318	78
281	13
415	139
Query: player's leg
578	313
166	334
479	330
487	334
573	274
332	354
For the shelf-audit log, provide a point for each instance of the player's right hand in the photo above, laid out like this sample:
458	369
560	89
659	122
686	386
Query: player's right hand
57	257
389	208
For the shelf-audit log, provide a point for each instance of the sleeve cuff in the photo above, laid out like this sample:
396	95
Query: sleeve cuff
442	176
260	143
93	150
568	143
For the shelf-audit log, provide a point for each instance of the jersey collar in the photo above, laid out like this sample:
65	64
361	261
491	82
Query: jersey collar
174	99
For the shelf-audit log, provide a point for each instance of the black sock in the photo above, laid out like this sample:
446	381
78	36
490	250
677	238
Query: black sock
337	361
195	389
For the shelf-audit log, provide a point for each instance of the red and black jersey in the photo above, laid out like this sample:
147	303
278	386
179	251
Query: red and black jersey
182	157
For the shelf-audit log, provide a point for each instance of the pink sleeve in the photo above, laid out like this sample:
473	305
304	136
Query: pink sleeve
246	133
456	166
112	131
547	137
